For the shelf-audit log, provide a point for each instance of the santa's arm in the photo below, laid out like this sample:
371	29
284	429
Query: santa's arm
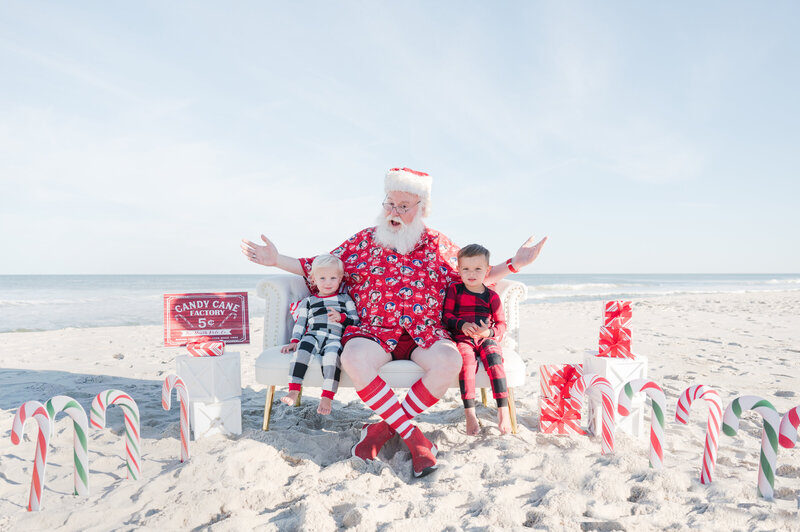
267	255
525	255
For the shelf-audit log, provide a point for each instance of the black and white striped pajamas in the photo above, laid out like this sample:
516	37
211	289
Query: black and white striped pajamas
318	336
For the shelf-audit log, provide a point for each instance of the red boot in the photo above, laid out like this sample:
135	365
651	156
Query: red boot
373	438
423	453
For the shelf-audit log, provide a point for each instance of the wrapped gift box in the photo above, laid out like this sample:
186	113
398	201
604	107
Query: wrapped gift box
558	417
617	313
615	342
618	371
555	379
211	379
223	417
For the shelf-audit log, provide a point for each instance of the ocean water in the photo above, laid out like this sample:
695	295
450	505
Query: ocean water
47	302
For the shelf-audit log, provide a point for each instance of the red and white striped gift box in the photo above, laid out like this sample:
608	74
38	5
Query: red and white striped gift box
554	379
557	417
617	313
615	342
206	349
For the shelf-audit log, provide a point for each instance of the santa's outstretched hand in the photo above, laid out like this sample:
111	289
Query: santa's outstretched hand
527	253
266	255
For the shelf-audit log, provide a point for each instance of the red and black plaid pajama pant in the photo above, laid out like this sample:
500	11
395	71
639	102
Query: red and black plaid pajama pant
491	355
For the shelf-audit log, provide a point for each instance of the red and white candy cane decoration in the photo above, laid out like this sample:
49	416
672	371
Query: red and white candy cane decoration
659	403
788	430
107	398
37	411
712	399
170	382
596	384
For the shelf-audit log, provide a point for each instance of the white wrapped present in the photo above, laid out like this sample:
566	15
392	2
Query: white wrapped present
618	371
223	417
211	379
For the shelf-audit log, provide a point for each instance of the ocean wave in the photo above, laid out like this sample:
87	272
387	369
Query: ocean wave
36	302
535	295
579	286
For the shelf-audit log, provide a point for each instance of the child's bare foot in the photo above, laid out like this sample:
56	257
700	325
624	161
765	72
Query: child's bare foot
324	407
291	397
503	420
473	425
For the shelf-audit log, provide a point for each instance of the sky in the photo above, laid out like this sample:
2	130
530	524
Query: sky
640	137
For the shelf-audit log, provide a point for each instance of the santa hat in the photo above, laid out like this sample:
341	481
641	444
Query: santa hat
408	180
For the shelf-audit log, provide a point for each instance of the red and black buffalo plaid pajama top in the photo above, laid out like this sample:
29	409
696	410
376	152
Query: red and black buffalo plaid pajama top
462	306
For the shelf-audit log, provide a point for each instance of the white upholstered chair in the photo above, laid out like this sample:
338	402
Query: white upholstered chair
272	366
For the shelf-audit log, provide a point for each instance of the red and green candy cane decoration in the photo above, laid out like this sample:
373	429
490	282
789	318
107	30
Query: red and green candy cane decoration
769	437
68	405
659	406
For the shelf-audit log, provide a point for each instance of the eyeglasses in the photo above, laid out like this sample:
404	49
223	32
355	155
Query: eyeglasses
399	209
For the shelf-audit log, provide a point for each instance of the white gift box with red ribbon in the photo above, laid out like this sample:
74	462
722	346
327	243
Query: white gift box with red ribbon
223	417
211	379
618	371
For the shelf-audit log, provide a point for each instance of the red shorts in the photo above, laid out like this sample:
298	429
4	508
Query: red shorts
402	351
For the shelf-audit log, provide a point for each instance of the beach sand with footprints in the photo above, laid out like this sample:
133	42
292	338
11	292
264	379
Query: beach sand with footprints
299	474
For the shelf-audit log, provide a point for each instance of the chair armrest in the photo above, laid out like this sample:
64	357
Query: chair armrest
280	291
511	293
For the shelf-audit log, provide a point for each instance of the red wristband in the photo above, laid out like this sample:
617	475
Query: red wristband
511	266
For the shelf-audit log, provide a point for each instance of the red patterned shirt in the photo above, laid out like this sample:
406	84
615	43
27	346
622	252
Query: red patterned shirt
393	292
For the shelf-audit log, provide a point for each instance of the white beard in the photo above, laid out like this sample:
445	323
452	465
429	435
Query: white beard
403	239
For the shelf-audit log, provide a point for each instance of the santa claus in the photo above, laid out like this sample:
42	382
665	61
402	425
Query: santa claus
403	320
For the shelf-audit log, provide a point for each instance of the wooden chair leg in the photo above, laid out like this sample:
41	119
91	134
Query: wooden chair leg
268	407
483	396
512	411
299	396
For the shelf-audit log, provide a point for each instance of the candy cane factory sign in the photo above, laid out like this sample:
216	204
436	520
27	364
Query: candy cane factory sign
192	317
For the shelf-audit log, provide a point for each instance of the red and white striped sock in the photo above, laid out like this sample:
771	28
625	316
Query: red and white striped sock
418	399
381	399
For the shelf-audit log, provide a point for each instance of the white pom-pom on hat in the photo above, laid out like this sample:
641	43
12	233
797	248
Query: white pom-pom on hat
412	181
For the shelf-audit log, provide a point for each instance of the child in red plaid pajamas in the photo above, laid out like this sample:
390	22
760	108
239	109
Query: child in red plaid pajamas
473	315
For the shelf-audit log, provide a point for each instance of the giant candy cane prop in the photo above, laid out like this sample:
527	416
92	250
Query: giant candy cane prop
659	402
170	382
599	385
712	399
80	444
789	424
35	410
107	398
769	436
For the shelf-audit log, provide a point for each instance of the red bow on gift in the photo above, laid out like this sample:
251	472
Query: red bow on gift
559	418
564	378
617	313
615	342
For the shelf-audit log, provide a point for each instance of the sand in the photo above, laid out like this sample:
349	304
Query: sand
299	474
